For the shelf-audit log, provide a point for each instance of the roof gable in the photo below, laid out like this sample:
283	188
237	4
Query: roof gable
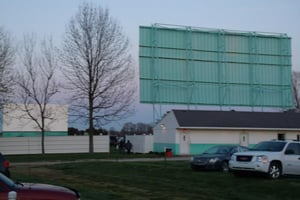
227	119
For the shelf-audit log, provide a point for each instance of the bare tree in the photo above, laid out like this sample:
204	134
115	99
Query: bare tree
98	68
36	83
130	128
296	88
6	60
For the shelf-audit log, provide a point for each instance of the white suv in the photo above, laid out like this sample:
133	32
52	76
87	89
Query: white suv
274	158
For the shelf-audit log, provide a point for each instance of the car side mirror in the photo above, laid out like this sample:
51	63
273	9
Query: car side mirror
289	152
12	195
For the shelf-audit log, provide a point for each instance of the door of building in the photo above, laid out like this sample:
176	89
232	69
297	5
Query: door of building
184	144
244	139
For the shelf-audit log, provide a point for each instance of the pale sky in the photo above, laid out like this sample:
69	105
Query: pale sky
49	18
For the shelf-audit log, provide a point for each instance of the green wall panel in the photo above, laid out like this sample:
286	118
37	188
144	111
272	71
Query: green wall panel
33	134
199	148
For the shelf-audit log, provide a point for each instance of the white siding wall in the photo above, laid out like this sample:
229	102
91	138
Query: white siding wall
258	136
214	136
61	144
165	129
233	136
141	143
14	119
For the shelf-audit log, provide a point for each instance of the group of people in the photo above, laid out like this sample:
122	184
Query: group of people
125	146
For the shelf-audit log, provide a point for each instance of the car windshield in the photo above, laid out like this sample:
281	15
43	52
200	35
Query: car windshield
6	180
217	150
269	146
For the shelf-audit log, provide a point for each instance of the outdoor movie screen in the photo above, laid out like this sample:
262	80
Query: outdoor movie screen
199	66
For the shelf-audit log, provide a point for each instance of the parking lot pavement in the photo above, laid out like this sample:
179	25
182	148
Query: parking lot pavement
175	158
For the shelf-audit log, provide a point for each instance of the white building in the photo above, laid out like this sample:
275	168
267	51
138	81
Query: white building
17	123
193	131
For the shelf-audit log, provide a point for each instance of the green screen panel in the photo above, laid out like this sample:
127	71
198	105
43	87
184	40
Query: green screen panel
186	65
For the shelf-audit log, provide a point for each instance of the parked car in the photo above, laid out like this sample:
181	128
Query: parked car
215	158
272	158
4	166
34	191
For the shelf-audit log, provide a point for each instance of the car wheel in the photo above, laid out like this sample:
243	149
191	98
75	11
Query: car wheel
274	170
225	166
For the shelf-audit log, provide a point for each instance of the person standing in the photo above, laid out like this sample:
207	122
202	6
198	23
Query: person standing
121	146
128	146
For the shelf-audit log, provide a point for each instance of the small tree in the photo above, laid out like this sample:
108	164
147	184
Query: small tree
98	68
6	60
296	88
130	128
35	82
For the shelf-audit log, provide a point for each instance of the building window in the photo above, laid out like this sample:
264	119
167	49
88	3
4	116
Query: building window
281	136
298	137
244	139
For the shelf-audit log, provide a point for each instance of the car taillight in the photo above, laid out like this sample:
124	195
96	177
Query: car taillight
6	164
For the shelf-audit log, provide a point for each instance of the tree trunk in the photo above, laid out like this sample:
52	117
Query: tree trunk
91	141
43	141
91	127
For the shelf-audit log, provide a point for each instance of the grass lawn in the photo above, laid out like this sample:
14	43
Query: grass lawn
155	180
114	154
